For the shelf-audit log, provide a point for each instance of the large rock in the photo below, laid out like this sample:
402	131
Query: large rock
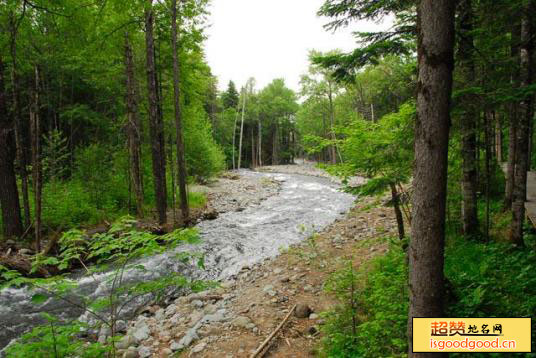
186	341
302	311
241	322
126	342
198	348
141	331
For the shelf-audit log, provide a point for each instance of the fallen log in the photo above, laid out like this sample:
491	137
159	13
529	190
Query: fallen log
23	264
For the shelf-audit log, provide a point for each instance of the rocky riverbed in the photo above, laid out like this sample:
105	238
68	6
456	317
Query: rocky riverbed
232	320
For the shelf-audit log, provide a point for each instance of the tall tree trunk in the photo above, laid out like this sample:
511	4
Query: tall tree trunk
155	127
332	149
19	141
133	128
468	123
181	162
259	147
9	194
275	144
234	135
498	139
253	149
35	119
525	117
398	213
435	31
512	128
242	128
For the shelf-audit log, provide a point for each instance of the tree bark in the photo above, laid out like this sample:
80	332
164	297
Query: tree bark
498	139
9	194
332	149
35	119
435	34
19	141
133	128
512	127
259	147
468	123
398	213
181	162
525	118
155	126
242	128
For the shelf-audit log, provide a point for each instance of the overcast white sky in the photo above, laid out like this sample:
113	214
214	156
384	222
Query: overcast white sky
269	39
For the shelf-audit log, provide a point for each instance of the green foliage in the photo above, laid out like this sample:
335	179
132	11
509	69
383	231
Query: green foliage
371	319
55	340
483	280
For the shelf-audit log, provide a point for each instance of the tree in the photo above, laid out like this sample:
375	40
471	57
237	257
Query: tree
9	195
178	118
468	121
156	127
426	250
247	91
524	128
133	127
230	97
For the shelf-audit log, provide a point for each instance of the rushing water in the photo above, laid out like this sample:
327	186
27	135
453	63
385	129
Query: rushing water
231	241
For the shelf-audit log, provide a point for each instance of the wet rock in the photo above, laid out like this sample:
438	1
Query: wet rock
302	311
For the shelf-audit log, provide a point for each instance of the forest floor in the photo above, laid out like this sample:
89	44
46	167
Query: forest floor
233	320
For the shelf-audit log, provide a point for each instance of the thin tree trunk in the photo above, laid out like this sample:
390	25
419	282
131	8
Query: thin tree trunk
156	129
275	140
332	149
398	213
133	128
9	194
487	141
242	128
253	149
172	174
259	148
468	123
498	139
19	141
512	134
234	135
435	31
525	117
36	159
181	162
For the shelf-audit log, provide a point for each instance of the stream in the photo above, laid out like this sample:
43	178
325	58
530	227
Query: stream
230	242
